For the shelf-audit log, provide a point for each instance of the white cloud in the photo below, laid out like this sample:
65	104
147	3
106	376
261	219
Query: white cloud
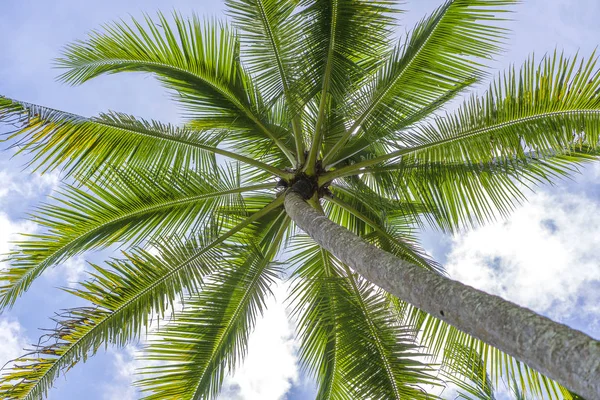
544	257
12	334
591	175
71	272
125	366
13	339
9	232
30	186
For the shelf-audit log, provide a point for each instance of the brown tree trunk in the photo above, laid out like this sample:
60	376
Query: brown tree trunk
566	355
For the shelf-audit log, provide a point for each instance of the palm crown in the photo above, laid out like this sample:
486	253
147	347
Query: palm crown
314	95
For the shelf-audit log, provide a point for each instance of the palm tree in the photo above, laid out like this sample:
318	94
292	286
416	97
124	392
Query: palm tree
304	115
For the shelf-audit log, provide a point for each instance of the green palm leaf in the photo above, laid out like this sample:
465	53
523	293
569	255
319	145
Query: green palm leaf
347	338
439	57
549	109
466	195
198	62
86	146
378	143
464	362
121	299
270	34
132	207
314	291
552	109
344	41
210	335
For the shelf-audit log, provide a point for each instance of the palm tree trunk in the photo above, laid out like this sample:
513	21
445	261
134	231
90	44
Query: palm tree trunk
566	355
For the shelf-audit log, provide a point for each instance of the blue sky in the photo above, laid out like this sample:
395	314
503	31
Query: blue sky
544	257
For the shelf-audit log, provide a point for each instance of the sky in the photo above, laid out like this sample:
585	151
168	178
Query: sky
544	256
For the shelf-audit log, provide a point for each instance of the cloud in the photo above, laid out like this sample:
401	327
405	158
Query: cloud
544	257
125	366
13	339
12	333
9	232
29	186
33	186
71	272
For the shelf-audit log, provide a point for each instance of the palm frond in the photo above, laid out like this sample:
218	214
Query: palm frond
344	41
464	367
441	56
86	146
123	296
131	207
269	35
313	296
267	42
198	61
458	195
552	109
373	142
347	339
210	336
121	299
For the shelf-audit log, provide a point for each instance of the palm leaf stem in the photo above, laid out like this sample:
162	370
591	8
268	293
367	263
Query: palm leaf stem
195	77
363	141
317	138
216	150
74	347
16	287
253	218
19	109
296	123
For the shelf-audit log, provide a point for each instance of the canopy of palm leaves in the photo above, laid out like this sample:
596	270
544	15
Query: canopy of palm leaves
315	94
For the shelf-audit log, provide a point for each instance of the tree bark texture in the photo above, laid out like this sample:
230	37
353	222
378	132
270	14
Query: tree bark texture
566	355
